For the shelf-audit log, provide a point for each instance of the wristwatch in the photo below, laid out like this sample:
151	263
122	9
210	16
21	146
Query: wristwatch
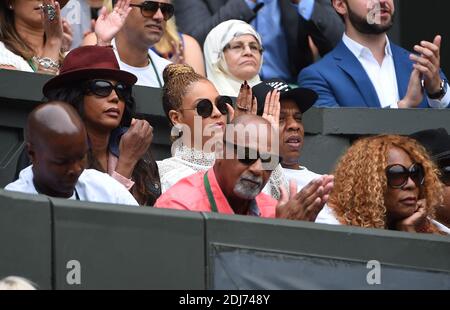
441	93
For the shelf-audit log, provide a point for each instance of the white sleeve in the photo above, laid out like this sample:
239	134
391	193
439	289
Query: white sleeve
326	216
8	58
442	103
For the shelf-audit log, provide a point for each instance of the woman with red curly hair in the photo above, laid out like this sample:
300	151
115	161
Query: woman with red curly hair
386	182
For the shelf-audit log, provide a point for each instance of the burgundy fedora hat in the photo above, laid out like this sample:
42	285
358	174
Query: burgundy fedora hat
86	63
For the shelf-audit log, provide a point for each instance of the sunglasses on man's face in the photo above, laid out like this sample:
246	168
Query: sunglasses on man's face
248	157
445	175
398	175
149	8
205	107
104	88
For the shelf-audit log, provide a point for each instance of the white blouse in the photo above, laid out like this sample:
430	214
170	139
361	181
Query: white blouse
8	58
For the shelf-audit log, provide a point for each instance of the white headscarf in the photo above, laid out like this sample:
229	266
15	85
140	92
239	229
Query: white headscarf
216	67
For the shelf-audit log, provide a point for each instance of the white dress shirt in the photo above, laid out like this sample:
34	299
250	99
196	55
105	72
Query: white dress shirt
384	78
92	185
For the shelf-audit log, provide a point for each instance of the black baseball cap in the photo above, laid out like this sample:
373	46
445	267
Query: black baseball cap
303	97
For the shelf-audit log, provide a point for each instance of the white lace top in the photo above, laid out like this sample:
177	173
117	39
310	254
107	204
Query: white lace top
187	161
8	58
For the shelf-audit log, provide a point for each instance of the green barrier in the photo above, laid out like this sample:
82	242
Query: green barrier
25	237
252	253
123	247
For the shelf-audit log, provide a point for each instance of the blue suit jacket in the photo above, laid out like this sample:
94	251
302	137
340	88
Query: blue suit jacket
341	81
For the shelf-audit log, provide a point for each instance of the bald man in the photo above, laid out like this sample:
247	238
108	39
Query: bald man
56	143
233	185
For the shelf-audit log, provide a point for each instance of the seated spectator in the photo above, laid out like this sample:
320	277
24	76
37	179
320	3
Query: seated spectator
289	29
57	145
367	70
386	182
132	29
233	54
194	107
31	35
293	104
437	143
102	94
233	185
16	283
180	48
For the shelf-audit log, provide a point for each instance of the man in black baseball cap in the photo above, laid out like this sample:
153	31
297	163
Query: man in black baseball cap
437	143
293	104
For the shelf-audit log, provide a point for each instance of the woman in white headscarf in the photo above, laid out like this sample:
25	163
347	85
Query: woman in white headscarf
233	54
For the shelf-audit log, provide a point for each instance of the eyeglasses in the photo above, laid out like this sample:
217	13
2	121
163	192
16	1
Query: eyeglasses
397	175
249	157
205	106
239	47
103	88
445	175
149	8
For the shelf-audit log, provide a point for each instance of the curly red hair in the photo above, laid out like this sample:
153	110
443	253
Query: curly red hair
360	181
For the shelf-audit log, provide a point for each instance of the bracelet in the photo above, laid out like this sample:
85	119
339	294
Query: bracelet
47	63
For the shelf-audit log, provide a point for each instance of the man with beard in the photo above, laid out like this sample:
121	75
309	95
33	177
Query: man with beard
135	25
233	185
367	70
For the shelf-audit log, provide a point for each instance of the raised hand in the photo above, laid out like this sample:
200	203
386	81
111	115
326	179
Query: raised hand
245	102
109	24
67	36
414	94
53	28
133	145
306	204
428	63
272	109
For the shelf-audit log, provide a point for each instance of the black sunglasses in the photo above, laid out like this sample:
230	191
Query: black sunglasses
149	8
445	175
204	107
103	88
397	175
248	157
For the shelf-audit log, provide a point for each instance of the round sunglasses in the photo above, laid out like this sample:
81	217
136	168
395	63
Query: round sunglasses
398	175
149	8
103	88
205	107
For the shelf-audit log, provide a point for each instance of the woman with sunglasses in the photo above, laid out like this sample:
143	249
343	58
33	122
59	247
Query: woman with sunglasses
199	115
386	182
233	54
102	94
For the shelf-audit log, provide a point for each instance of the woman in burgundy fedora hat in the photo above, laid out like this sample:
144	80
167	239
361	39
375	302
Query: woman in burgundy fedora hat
90	80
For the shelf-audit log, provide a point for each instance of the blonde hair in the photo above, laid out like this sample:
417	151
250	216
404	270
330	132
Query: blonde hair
360	181
177	79
16	283
170	38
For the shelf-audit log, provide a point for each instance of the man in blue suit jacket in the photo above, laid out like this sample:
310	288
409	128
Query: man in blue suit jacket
366	70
